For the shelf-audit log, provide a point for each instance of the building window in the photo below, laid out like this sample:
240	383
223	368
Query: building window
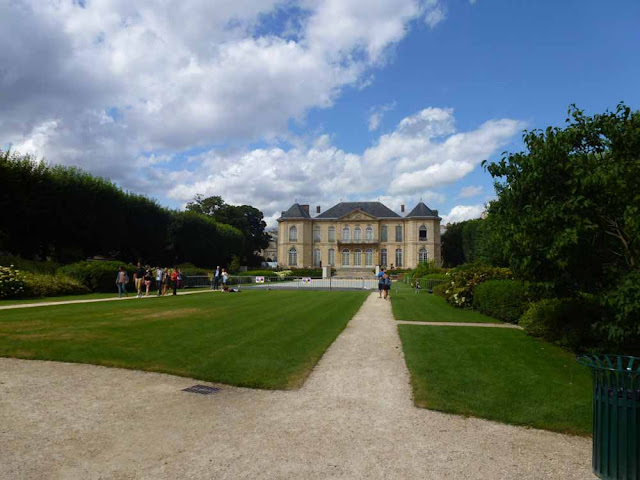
357	234
422	234
357	258
332	257
368	258
383	257
398	233
316	234
332	234
345	258
399	257
346	234
422	255
368	234
316	257
383	234
293	256
293	234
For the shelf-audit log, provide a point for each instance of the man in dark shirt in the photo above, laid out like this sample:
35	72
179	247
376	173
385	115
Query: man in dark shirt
138	278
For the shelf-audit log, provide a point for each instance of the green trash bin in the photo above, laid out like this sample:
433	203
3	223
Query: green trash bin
616	415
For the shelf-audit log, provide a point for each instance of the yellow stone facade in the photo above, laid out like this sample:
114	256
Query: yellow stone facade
357	240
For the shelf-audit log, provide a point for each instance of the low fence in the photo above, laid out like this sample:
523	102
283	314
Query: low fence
272	283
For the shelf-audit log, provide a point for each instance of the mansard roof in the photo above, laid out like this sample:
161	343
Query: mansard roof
295	211
422	211
375	209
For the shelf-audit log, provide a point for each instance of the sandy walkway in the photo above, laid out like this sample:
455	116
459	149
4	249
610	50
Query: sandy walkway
353	419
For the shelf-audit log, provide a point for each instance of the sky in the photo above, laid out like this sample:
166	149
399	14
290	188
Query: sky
269	102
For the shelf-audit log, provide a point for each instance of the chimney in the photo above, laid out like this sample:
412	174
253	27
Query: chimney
318	209
401	208
305	208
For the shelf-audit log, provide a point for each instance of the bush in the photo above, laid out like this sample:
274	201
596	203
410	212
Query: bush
567	322
440	290
258	273
97	276
189	269
11	282
426	269
29	265
621	326
44	285
464	279
505	300
307	272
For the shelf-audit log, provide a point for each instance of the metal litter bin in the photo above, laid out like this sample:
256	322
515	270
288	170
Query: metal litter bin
616	415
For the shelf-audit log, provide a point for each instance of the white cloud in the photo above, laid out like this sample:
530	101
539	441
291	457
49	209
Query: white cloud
470	191
460	213
377	113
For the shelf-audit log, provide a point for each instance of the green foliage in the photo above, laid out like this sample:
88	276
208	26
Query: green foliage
568	208
47	285
307	272
257	273
20	263
12	282
568	322
97	276
440	290
505	300
621	326
234	266
189	269
464	279
425	269
467	242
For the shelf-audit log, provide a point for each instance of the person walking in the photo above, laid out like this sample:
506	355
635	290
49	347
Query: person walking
159	279
174	280
225	277
387	285
166	278
380	282
148	278
216	278
180	278
138	278
121	281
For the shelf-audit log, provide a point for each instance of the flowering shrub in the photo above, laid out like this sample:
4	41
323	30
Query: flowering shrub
11	282
284	273
463	280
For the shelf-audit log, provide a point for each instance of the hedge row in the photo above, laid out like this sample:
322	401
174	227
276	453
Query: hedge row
505	300
97	276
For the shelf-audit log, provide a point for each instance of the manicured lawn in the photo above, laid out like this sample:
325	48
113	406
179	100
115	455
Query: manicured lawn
265	339
500	374
426	307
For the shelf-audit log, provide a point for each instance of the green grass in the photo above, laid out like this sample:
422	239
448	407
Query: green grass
426	307
500	374
265	339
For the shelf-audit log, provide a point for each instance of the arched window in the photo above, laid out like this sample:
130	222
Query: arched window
293	256
368	258
399	258
293	234
422	255
383	257
345	258
332	234
357	234
316	233
357	258
316	257
332	257
384	233
398	233
346	234
422	233
368	234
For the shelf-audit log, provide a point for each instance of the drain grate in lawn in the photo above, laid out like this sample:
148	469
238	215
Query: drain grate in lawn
201	389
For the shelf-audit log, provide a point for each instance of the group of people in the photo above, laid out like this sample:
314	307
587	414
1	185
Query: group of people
143	278
384	283
219	279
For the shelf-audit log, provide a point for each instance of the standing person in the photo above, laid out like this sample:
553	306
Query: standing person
159	279
179	278
387	284
165	281
121	281
225	277
174	280
138	278
380	282
148	278
216	278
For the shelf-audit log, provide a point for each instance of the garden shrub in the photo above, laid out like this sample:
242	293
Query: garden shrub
97	276
189	269
258	273
440	290
426	269
307	272
505	300
11	282
44	285
621	326
568	322
25	265
464	279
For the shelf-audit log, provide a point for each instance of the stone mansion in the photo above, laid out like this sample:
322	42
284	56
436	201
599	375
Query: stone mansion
358	235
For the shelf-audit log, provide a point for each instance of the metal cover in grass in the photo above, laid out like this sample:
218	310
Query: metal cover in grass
201	389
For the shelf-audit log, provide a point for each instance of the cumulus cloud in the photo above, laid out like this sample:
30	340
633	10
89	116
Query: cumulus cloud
470	191
377	113
460	213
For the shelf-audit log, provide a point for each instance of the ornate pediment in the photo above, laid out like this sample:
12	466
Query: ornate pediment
357	214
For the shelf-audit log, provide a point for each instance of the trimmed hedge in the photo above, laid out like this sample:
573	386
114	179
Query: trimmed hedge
29	265
43	285
440	290
97	276
505	300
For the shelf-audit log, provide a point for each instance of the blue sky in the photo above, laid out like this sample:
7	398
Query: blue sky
267	102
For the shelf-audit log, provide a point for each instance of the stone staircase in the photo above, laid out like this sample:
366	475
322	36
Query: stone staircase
354	273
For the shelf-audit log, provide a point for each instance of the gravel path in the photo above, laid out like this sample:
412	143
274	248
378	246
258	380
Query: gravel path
353	418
